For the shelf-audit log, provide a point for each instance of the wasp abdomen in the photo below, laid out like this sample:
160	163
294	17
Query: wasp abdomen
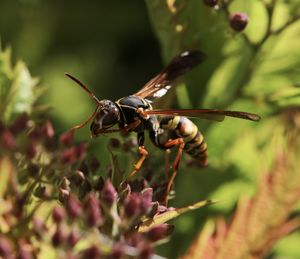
182	127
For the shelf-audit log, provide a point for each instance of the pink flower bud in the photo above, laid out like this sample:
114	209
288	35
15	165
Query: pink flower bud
5	247
132	205
159	232
73	238
48	130
109	194
67	137
58	214
73	207
92	211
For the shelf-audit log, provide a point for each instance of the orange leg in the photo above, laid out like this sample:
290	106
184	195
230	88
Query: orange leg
137	166
167	164
171	143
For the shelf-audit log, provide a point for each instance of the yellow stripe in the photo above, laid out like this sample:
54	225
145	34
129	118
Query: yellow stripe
172	123
192	135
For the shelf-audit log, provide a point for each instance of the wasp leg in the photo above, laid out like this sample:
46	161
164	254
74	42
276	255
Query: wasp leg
143	153
171	143
127	128
167	164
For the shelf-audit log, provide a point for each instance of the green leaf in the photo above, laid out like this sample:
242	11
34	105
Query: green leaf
17	87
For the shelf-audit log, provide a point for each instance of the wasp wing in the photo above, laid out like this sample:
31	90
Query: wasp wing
210	114
181	64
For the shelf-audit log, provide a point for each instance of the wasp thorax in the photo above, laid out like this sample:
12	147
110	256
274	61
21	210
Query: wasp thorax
108	115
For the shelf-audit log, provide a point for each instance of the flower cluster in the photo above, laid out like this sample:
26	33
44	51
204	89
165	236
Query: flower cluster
53	190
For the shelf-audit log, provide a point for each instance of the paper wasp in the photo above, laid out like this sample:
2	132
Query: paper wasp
167	128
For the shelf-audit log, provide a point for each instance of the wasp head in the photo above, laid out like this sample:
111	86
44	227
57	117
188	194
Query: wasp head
108	114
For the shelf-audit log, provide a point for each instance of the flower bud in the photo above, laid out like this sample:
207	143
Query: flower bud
145	251
211	3
5	247
73	207
25	252
20	124
109	194
92	211
58	214
67	137
68	156
132	205
73	238
31	150
80	150
92	253
39	228
238	21
146	203
118	251
8	140
159	232
48	130
58	237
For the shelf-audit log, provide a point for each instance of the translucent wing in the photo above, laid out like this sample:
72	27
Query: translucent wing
181	64
210	114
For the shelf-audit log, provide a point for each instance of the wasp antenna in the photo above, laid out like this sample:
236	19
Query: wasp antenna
86	121
83	86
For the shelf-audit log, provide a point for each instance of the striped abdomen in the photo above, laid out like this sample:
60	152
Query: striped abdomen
182	127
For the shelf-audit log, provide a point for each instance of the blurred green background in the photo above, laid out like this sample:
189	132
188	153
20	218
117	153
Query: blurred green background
112	47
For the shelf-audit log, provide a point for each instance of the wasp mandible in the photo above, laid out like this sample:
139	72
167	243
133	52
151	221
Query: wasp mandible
167	127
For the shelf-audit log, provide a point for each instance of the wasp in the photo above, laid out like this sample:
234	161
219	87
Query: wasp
167	128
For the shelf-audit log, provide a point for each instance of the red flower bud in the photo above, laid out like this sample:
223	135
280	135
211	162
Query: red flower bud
145	251
159	232
59	237
211	3
109	194
58	214
118	251
39	228
92	253
8	140
68	156
238	21
132	205
67	137
92	211
20	124
73	238
146	204
73	207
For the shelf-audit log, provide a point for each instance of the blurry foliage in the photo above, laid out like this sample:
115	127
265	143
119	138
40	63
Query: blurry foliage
253	166
256	70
